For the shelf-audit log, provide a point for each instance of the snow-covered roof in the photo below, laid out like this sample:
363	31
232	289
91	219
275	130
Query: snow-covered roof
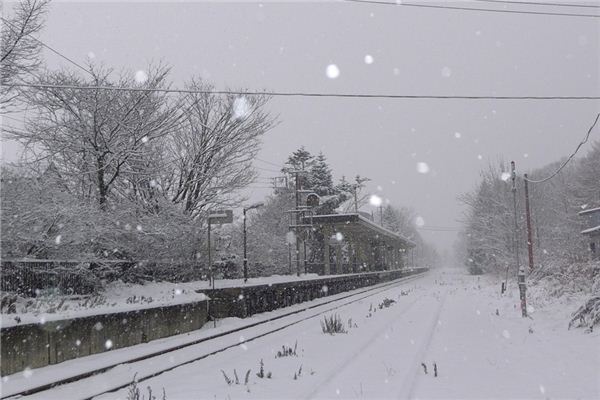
362	221
591	230
591	210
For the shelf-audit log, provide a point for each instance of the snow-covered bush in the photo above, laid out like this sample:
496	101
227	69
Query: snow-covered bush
332	324
287	351
587	315
134	393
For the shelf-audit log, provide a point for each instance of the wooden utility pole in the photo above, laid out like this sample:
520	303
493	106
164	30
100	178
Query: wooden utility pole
529	231
297	223
520	271
514	191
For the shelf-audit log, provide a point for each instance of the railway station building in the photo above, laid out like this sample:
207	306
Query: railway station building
351	243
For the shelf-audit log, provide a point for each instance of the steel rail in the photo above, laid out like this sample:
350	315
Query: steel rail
51	385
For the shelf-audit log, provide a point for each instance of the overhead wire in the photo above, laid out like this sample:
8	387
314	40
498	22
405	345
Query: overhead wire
584	141
491	10
539	3
268	162
306	94
58	53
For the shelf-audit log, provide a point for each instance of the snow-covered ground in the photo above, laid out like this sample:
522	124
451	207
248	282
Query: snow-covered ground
448	318
481	345
121	297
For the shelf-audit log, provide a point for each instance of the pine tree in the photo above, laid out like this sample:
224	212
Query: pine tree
300	159
321	179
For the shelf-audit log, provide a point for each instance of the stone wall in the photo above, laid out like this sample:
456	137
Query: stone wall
38	345
245	301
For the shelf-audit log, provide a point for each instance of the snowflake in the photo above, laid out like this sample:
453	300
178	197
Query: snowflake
332	71
422	167
375	200
241	108
141	76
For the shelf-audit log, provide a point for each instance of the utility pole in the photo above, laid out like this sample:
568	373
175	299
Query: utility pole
210	269
290	256
296	218
529	231
514	191
298	223
520	271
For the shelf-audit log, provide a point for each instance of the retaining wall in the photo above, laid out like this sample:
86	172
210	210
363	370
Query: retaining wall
38	345
245	301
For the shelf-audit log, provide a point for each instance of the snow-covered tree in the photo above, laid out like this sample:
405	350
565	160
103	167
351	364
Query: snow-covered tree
20	51
209	155
94	136
321	179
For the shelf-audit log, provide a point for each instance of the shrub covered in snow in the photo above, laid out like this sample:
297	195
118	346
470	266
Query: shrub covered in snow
332	324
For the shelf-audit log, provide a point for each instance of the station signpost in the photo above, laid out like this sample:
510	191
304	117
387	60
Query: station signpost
216	217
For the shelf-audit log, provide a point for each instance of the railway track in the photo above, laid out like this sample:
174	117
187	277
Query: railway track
403	380
149	361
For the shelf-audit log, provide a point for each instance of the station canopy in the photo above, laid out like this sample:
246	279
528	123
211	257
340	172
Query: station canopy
356	225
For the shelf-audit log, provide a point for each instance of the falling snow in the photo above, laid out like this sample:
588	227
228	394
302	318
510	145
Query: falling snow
332	71
241	108
141	76
422	167
375	200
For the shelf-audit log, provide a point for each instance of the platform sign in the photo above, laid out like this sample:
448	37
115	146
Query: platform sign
221	217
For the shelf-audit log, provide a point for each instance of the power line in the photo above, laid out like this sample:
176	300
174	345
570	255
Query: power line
386	3
266	169
10	25
587	136
268	162
535	3
306	94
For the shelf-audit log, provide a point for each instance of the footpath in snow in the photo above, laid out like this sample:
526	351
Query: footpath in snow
481	345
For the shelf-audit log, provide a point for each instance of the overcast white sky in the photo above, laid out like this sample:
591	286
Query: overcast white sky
286	46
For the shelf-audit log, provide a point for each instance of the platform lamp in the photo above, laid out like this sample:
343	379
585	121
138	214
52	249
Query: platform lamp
253	206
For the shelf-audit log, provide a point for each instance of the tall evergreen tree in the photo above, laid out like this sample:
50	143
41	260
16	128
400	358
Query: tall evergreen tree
299	159
321	179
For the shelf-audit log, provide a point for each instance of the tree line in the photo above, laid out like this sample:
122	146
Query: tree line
487	243
113	167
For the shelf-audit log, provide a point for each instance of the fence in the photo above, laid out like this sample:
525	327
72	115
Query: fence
31	278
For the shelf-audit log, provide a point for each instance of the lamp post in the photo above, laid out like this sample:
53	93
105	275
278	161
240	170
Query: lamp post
253	206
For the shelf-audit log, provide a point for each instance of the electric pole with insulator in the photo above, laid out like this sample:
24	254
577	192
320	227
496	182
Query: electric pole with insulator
529	231
520	271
